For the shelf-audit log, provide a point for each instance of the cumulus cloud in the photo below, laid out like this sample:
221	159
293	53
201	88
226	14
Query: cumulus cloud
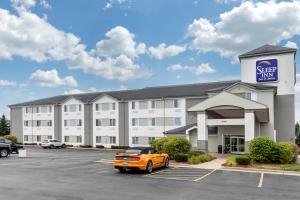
73	91
23	4
30	36
198	70
120	41
7	83
246	27
51	78
45	4
291	44
162	51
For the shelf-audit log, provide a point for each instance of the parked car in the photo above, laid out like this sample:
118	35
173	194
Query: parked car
14	147
52	143
5	150
141	158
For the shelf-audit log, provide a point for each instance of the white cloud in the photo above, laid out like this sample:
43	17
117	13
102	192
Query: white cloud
246	27
23	4
110	3
73	91
198	70
51	78
163	51
107	6
45	4
120	41
291	44
29	36
7	83
93	89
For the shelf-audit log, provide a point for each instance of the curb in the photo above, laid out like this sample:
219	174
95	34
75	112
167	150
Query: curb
257	170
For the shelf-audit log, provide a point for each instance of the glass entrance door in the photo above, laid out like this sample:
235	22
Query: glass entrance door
237	144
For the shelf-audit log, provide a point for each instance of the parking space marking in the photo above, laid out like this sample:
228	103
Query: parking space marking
205	176
261	180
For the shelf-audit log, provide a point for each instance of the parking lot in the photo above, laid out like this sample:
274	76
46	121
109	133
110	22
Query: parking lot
70	174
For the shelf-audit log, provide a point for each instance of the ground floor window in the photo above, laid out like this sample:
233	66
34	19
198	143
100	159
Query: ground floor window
98	139
49	137
25	137
38	138
135	140
150	139
112	139
79	139
67	139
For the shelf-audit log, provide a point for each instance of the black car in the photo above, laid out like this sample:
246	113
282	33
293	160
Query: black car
5	150
14	147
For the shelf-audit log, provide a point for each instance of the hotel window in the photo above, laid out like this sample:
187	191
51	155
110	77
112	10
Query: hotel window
67	138
177	121
113	106
78	139
97	107
98	122
26	110
37	109
112	122
79	108
49	123
50	109
49	137
38	138
38	123
26	123
98	139
79	122
135	140
25	137
253	96
152	104
176	103
150	139
134	122
65	122
152	120
65	108
112	139
133	105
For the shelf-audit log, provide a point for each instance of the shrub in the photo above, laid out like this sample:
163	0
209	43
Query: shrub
296	151
196	159
263	149
172	145
119	147
195	153
181	157
100	146
86	146
231	161
243	160
11	138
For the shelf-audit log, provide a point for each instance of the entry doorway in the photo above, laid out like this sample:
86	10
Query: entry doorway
234	144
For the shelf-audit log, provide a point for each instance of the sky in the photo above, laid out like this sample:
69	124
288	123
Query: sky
53	47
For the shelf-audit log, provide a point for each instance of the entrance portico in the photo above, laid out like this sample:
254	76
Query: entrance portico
237	120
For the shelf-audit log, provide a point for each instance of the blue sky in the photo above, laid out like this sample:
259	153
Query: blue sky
52	47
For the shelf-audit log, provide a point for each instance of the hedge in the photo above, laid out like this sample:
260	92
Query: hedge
196	159
181	157
100	146
11	138
119	147
243	160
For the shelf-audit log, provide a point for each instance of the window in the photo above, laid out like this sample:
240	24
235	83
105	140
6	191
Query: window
65	122
152	121
50	109
65	108
37	109
98	139
49	137
98	122
135	140
79	108
133	105
112	122
67	139
112	139
134	122
79	122
97	106
78	139
38	123
150	139
176	103
152	104
177	121
38	138
26	110
253	96
49	123
26	123
113	106
25	137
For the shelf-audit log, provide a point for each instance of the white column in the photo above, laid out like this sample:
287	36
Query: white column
202	128
249	125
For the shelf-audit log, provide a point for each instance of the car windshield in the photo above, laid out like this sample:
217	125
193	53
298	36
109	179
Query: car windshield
133	151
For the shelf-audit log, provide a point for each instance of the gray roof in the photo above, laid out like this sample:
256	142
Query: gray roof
179	131
267	50
172	91
252	85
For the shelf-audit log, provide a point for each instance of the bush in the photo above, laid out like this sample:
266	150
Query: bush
181	157
11	138
86	146
263	149
196	159
100	146
172	145
119	147
243	160
231	161
195	153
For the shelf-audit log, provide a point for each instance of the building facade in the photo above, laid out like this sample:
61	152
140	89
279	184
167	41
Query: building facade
215	117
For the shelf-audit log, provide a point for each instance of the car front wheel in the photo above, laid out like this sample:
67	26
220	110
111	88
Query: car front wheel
4	153
149	167
63	146
167	163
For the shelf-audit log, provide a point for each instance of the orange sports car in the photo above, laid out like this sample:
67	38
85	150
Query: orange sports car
141	158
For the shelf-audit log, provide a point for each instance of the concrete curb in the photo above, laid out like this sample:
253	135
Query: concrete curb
257	170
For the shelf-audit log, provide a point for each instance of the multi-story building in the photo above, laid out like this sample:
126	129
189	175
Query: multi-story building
222	115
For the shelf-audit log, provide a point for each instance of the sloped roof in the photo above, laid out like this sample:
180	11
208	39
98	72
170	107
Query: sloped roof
181	130
187	90
267	50
251	85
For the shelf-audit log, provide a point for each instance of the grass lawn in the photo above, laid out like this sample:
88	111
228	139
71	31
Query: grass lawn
287	167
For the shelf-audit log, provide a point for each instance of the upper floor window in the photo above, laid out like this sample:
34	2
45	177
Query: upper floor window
26	110
113	106
177	121
38	123
176	103
133	105
134	122
79	107
26	123
65	108
152	104
37	109
98	122
50	109
97	107
152	120
79	122
49	123
65	122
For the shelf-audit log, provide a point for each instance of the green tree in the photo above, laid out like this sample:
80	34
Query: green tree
4	126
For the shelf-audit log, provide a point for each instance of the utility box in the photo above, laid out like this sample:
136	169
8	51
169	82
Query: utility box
22	153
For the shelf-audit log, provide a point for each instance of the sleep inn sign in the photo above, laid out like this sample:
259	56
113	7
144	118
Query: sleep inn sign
266	70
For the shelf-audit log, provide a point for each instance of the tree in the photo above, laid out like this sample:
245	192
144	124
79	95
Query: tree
297	133
4	126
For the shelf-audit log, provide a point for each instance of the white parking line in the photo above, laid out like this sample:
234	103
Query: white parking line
198	179
261	180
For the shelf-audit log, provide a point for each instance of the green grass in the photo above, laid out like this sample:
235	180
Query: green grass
231	161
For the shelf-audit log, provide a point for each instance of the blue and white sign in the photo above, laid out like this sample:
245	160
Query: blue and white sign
266	70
